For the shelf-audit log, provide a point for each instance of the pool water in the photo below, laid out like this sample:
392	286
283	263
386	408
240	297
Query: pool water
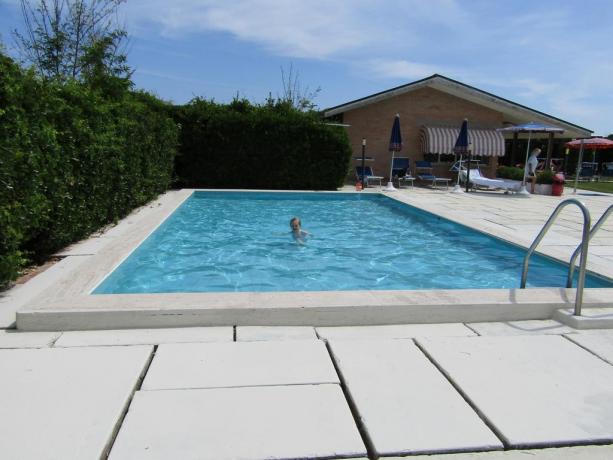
241	241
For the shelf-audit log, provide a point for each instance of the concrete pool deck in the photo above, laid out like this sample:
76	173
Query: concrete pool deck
505	391
65	302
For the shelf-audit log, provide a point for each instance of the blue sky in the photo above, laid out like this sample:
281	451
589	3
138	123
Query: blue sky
554	56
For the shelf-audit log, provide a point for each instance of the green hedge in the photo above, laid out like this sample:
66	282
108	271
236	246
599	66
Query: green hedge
273	146
73	160
511	172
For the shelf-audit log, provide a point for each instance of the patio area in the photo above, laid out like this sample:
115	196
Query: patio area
452	390
459	391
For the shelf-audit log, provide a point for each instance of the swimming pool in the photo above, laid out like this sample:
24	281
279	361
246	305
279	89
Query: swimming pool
240	241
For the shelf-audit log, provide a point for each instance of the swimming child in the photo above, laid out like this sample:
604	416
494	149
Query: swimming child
298	234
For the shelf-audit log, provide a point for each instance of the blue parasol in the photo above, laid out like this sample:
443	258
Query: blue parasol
461	147
531	127
395	146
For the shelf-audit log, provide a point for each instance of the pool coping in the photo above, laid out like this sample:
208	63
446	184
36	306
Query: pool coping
68	304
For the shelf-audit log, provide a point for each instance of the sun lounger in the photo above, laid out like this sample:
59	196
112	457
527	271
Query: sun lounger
423	170
368	175
401	170
588	171
477	180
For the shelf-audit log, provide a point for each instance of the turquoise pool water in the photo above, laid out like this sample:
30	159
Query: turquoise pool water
240	241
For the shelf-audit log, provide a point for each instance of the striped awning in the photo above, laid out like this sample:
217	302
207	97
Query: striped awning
439	140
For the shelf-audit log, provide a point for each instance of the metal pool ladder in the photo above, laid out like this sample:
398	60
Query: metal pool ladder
595	228
582	248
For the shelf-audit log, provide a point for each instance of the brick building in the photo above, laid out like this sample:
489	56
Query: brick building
431	112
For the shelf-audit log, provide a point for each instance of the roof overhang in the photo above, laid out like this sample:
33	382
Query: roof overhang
513	113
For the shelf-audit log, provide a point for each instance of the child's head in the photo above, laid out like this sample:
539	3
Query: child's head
294	223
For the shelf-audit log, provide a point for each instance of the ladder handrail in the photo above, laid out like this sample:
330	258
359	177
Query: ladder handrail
573	259
584	247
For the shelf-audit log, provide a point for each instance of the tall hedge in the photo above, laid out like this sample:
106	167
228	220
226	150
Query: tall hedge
272	146
73	160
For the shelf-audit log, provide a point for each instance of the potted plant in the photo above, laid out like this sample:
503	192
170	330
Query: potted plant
544	179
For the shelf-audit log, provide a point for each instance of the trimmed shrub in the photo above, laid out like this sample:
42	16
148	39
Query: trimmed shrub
73	160
273	146
510	172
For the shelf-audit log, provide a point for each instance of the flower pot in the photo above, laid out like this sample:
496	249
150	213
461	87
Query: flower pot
542	189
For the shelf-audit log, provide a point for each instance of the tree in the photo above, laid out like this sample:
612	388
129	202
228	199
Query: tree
63	38
293	95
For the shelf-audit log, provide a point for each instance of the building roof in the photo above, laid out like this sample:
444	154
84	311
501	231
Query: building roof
514	113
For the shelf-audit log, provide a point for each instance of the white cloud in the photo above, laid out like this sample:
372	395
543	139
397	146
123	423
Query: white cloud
530	87
401	69
317	29
314	29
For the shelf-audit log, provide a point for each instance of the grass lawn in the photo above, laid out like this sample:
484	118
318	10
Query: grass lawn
604	187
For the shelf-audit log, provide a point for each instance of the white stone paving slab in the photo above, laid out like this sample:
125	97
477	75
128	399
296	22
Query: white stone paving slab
529	327
559	453
213	365
306	421
257	333
535	390
599	342
399	331
406	405
65	403
145	336
11	338
19	295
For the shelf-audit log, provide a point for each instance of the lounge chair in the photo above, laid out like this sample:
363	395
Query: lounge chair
401	171
588	171
423	169
477	180
607	169
368	175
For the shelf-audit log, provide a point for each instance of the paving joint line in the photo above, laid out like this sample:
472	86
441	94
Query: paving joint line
464	396
474	330
54	341
109	447
366	439
586	349
236	387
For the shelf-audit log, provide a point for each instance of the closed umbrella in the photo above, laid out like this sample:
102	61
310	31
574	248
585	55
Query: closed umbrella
594	143
395	146
461	148
531	127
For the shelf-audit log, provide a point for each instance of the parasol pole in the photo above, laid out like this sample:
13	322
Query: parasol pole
464	145
470	151
390	185
395	144
578	171
363	160
459	169
457	188
523	190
